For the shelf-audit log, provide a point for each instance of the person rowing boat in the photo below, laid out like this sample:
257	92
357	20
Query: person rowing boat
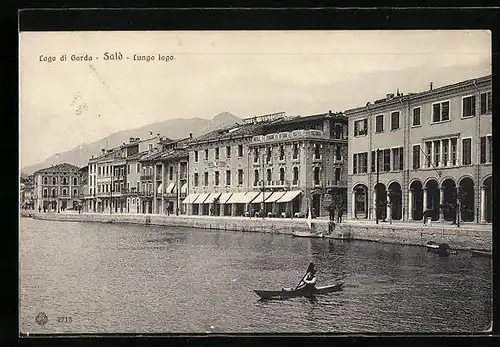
308	282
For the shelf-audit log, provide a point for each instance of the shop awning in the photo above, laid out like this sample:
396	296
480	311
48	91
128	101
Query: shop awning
190	198
170	187
160	187
258	197
184	188
237	198
212	197
275	196
289	196
224	197
201	198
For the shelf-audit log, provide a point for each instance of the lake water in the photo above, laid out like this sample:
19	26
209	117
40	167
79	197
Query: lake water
125	278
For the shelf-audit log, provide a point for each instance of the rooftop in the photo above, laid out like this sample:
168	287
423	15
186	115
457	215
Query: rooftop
64	167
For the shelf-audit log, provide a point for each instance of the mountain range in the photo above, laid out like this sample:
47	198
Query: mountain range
172	128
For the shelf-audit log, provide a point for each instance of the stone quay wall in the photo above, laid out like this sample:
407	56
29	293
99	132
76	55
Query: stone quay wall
463	238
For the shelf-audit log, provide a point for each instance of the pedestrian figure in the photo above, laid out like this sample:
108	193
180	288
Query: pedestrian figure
339	214
177	211
39	209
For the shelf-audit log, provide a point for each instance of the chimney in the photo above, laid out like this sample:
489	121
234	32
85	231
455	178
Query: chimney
190	135
389	96
330	113
103	150
430	86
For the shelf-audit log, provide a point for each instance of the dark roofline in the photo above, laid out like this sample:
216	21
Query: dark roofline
418	95
56	167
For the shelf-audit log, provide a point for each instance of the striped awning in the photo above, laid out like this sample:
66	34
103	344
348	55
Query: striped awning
201	198
237	198
184	188
170	187
212	197
275	196
258	198
289	196
190	198
224	197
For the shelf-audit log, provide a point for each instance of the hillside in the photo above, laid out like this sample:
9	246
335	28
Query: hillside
173	128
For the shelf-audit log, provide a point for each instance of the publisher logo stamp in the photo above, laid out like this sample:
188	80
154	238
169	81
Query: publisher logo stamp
41	318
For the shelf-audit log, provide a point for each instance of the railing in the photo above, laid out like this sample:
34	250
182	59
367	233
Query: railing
146	177
338	160
148	193
272	183
302	133
316	183
295	183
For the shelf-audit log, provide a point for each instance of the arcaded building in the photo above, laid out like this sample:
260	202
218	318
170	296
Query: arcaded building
432	150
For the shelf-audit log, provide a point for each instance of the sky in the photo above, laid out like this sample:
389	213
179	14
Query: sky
67	103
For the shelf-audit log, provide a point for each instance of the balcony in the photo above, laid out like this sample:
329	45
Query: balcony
317	183
148	193
295	183
146	177
296	134
333	183
338	161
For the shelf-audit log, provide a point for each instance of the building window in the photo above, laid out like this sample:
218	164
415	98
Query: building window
217	153
317	154
316	176
75	181
363	162
441	111
240	151
45	181
54	192
395	120
489	157
416	117
360	127
196	156
468	106
295	150
397	159
282	152
282	174
416	157
206	154
240	176
75	193
228	177
486	103
99	171
196	179
428	152
295	175
170	173
128	186
379	123
482	158
466	151
338	152
256	177
446	151
373	161
387	160
228	151
205	179
138	168
138	186
337	175
54	180
256	155
437	151
269	175
216	178
486	150
45	193
453	151
268	154
355	163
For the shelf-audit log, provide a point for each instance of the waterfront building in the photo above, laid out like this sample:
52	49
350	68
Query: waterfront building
429	147
171	177
57	187
26	198
269	165
84	187
110	187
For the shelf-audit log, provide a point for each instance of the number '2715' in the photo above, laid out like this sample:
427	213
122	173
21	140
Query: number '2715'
64	319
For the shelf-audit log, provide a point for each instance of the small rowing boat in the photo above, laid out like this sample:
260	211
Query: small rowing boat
441	248
480	253
290	293
306	234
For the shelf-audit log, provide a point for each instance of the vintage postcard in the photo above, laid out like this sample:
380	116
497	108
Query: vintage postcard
255	181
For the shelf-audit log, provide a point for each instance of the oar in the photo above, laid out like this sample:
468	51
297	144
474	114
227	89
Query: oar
301	280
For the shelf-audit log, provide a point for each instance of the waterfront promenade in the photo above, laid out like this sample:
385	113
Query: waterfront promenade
465	237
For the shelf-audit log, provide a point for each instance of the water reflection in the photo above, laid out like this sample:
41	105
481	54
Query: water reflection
131	278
